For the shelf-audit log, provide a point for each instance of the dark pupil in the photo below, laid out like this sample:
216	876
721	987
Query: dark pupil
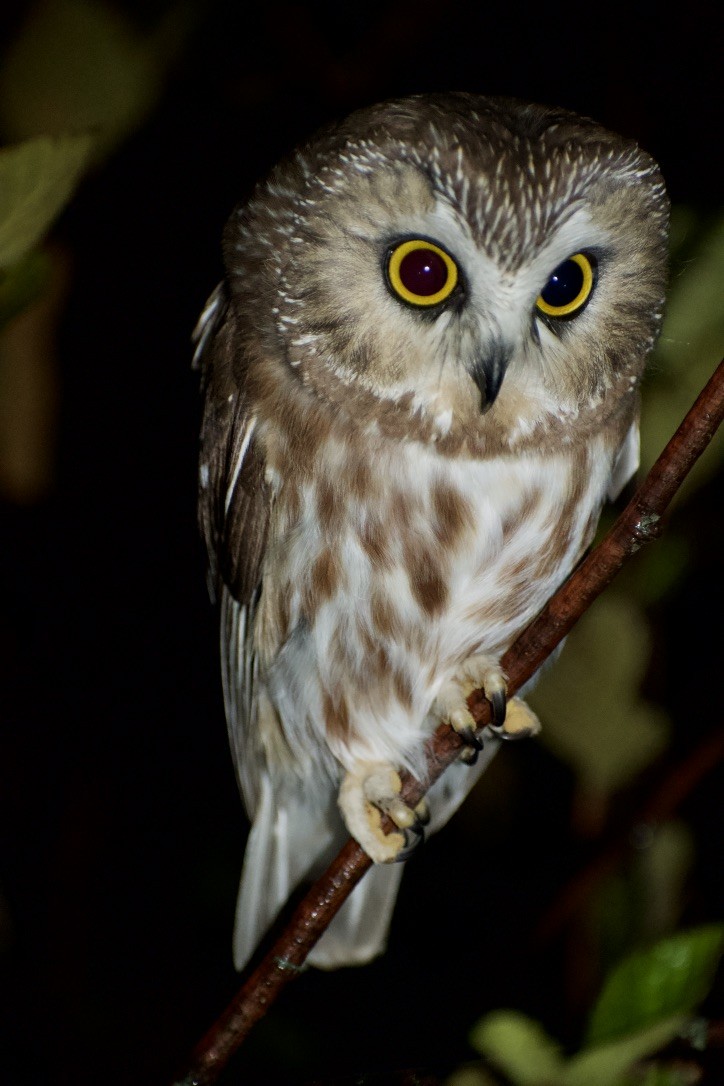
564	285
423	272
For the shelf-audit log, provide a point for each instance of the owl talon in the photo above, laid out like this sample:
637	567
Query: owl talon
473	745
461	723
470	739
498	705
520	723
414	837
478	672
365	796
468	756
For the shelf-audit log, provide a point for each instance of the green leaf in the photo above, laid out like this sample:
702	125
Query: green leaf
669	978
37	178
606	1064
519	1047
81	65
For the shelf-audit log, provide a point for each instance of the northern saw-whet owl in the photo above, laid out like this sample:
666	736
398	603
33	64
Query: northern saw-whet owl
420	380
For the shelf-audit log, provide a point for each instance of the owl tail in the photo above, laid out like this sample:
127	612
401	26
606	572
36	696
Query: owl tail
292	842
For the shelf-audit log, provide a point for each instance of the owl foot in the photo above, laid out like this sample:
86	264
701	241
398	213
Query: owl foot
451	704
367	794
510	719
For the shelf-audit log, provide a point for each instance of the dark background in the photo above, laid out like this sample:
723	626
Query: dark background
122	832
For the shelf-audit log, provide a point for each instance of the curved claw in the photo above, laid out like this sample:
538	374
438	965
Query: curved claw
473	745
498	705
470	739
414	837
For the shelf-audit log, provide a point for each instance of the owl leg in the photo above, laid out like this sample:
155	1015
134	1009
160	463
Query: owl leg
366	794
511	719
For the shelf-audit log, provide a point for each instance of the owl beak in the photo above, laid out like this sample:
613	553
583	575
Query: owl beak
488	373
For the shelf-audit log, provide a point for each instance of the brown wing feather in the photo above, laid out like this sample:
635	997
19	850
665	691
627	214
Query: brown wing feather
233	503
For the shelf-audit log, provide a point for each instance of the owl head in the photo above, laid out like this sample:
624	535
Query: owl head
457	268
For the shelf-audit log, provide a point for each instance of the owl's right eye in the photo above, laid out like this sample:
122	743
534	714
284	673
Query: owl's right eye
421	273
568	288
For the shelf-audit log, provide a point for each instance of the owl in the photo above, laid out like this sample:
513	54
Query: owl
420	382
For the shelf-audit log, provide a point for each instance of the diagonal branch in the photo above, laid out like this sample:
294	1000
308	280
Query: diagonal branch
639	523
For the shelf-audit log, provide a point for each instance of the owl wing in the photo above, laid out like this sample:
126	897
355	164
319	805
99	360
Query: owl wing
295	830
233	511
233	494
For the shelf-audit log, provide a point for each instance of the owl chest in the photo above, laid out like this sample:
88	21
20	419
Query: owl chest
431	559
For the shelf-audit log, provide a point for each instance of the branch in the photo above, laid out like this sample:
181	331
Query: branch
639	523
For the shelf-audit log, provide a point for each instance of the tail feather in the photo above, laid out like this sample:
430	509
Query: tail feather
289	842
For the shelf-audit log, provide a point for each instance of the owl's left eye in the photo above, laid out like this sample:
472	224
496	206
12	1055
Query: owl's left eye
568	288
421	273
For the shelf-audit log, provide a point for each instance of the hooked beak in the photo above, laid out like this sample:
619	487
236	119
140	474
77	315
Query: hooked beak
488	372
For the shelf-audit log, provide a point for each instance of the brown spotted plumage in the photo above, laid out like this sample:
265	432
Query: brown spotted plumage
402	456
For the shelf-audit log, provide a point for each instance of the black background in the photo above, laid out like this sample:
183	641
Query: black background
122	830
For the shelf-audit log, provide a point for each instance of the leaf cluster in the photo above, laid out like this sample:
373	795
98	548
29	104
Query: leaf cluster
76	80
647	1001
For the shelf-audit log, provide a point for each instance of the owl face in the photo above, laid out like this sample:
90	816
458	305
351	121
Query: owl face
477	265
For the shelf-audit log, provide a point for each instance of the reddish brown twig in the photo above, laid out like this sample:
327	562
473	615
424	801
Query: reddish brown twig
639	523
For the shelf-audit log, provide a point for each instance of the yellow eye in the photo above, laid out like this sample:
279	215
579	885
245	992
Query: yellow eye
421	273
569	287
